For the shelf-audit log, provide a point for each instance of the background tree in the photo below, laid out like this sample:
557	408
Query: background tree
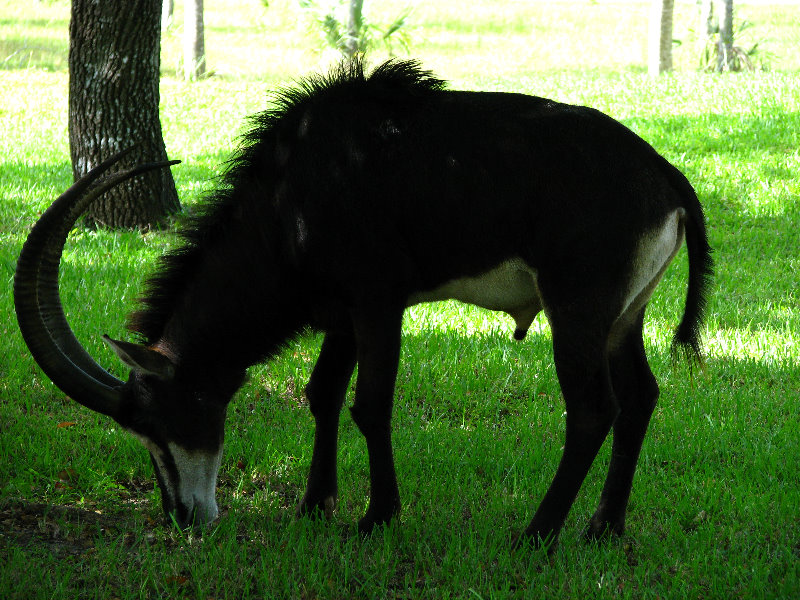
725	53
167	10
343	26
355	25
194	51
114	63
707	26
718	51
659	48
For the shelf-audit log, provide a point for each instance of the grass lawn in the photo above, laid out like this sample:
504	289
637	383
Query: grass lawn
478	423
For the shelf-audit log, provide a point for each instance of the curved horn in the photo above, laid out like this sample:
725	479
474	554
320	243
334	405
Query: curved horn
36	298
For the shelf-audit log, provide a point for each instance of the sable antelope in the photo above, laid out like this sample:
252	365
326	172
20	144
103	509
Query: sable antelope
355	196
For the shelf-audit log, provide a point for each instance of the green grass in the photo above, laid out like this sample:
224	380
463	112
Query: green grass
478	424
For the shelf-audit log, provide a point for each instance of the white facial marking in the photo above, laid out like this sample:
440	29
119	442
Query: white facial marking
197	471
197	480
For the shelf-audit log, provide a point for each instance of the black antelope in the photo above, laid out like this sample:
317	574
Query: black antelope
356	196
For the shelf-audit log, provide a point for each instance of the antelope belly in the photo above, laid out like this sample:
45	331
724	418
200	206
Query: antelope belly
509	287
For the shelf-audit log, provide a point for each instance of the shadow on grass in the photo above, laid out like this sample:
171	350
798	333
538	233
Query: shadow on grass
38	52
682	462
64	531
731	429
31	188
744	138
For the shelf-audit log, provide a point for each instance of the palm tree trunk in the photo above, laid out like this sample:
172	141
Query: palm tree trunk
659	51
194	51
167	10
354	26
725	60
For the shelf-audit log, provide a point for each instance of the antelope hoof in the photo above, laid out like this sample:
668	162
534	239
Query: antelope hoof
601	530
371	521
324	507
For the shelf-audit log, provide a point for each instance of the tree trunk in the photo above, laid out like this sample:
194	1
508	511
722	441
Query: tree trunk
708	22
354	26
725	59
194	51
114	65
659	50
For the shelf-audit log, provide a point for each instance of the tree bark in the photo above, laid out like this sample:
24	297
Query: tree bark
725	58
659	50
114	61
194	51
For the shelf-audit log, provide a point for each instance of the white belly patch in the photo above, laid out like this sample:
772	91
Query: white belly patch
510	287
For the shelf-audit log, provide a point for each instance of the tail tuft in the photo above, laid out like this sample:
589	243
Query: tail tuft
687	339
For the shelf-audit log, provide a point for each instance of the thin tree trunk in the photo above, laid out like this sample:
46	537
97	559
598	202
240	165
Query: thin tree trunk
167	10
114	63
708	25
659	51
706	31
354	26
194	51
725	61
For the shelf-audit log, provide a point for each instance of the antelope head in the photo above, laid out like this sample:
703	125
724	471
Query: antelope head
180	425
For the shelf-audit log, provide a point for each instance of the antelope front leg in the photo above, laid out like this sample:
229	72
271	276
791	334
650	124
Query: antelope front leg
378	341
326	392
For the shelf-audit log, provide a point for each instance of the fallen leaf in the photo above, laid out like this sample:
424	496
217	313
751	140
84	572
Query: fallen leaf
68	475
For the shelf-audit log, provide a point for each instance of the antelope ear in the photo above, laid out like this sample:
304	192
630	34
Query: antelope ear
142	359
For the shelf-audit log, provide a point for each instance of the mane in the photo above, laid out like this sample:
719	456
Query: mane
393	79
